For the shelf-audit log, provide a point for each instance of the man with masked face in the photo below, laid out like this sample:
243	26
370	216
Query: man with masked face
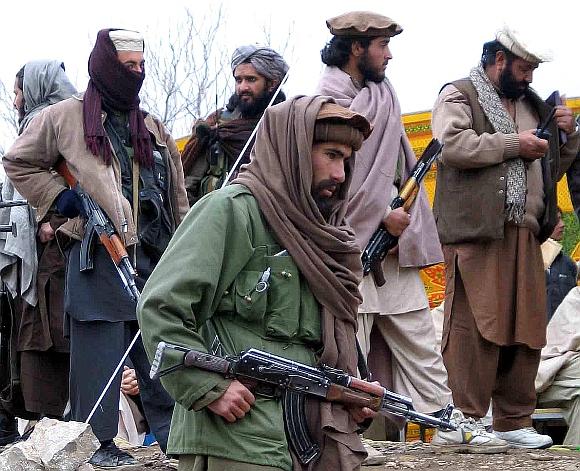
217	141
395	329
495	203
284	213
126	160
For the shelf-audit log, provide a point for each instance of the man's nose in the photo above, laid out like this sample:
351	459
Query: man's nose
338	174
388	55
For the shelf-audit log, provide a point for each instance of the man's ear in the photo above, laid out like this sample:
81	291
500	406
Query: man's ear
500	59
272	85
356	49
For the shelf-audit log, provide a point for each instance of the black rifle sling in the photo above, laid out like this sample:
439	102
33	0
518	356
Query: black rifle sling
363	367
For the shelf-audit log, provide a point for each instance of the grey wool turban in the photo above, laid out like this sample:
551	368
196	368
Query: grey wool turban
266	61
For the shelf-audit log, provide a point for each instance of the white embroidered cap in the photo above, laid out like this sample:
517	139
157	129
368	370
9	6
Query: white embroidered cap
125	40
512	40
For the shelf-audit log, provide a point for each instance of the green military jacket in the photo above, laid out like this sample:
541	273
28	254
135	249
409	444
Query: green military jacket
210	270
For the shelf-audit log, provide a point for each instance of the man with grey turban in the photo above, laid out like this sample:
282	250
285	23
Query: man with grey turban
217	141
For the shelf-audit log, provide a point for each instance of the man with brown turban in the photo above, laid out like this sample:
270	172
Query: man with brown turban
129	164
216	142
284	213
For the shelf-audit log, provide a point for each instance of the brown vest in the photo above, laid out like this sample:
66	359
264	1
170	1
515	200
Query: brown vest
469	203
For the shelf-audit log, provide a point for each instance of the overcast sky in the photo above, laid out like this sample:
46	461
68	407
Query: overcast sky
441	40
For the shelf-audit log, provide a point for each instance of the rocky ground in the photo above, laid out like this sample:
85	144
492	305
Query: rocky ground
416	455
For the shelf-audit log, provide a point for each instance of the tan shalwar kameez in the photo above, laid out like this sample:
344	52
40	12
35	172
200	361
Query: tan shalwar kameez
495	315
402	354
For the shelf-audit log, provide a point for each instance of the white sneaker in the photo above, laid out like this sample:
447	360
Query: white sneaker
470	436
525	438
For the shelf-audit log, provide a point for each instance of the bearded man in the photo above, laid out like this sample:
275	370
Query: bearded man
283	215
217	141
395	327
129	164
495	203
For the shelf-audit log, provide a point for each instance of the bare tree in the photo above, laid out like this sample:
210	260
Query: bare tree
8	116
186	72
284	47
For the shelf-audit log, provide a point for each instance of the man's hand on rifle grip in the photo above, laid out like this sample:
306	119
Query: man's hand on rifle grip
397	221
234	403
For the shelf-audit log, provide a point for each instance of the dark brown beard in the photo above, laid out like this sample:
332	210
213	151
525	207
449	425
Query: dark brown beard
370	74
509	86
326	205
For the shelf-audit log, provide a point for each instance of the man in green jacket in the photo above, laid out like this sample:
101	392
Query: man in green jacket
284	213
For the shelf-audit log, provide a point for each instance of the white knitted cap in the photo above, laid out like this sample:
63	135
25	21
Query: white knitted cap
125	40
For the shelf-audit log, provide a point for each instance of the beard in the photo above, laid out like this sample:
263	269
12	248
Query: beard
370	73
254	107
509	86
326	204
20	112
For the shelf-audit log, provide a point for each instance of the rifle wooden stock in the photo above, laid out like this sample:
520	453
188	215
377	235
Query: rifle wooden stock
351	398
381	241
114	247
64	172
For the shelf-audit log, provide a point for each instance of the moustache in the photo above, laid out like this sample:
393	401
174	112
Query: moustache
330	185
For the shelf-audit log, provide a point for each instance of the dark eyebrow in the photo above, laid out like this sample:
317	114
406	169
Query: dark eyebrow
336	151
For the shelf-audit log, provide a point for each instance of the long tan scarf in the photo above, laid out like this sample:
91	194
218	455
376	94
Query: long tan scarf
370	191
279	176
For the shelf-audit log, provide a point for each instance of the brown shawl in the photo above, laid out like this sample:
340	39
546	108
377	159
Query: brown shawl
232	135
370	191
279	176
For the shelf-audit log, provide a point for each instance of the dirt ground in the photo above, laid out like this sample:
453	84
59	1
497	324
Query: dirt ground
407	456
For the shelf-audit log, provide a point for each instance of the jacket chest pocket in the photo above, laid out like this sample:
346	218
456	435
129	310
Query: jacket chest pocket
283	308
250	299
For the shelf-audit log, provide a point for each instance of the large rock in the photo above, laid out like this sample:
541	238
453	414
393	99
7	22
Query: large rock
63	446
52	446
21	457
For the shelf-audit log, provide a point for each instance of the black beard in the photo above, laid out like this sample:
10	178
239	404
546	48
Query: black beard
21	114
326	205
370	74
509	86
254	108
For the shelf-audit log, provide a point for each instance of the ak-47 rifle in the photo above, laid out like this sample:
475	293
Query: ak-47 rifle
382	241
98	223
276	376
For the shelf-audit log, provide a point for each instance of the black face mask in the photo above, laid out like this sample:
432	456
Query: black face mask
509	86
370	74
